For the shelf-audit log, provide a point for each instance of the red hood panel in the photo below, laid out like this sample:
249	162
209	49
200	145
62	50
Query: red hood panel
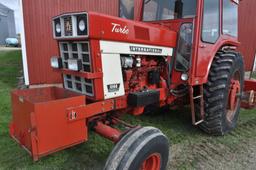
111	28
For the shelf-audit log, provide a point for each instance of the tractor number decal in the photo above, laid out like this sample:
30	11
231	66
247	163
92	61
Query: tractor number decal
113	88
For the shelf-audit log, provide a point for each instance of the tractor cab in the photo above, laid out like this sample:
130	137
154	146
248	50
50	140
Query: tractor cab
203	27
206	30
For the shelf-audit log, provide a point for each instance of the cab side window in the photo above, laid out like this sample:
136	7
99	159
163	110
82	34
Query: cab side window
157	10
126	9
211	21
230	18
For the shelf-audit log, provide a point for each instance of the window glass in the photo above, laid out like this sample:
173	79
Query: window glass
210	31
184	48
155	10
127	9
150	8
230	18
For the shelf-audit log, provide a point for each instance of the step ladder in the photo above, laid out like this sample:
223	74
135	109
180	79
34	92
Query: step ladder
193	98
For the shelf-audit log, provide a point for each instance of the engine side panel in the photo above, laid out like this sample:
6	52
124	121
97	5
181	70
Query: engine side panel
112	78
129	67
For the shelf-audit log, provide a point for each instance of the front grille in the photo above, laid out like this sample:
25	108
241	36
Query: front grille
68	27
77	50
79	85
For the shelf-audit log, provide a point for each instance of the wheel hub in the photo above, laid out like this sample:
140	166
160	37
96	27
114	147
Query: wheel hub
153	162
234	93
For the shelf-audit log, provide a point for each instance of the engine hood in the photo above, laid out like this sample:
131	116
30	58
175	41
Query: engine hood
104	27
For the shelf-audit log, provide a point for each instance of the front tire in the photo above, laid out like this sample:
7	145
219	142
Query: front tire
141	149
221	116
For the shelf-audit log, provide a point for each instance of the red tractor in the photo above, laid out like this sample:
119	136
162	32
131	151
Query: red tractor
173	52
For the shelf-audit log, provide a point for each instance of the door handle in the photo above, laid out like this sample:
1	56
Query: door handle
203	46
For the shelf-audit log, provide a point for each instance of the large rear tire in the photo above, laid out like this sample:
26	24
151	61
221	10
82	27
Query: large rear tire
221	108
141	149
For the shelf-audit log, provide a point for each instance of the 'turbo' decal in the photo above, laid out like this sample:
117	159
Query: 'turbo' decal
117	28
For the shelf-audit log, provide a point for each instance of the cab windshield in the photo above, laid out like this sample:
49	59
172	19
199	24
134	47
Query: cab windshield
156	10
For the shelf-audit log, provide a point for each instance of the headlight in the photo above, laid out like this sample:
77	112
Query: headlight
75	64
58	28
82	24
56	62
184	77
72	25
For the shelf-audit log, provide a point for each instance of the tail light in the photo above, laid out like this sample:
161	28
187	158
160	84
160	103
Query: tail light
184	48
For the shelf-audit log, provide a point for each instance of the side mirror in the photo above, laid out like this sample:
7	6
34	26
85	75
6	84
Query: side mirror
178	9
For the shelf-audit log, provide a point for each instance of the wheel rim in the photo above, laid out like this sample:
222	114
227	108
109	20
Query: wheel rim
153	162
234	96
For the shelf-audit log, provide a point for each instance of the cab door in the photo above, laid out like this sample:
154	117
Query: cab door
209	22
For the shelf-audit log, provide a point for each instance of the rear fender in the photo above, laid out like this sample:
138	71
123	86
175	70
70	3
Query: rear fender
205	57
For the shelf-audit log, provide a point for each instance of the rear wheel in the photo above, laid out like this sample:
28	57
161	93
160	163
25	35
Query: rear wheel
222	93
141	149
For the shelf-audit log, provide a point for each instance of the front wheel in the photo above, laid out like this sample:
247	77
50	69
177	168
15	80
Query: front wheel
141	149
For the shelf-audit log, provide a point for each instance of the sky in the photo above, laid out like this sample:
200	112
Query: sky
14	5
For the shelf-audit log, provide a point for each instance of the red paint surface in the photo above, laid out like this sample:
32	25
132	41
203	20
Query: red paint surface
101	28
40	122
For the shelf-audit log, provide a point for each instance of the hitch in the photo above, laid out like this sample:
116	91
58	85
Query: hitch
249	99
249	95
106	128
108	132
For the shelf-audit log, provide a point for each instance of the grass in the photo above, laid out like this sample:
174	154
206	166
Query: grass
92	155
